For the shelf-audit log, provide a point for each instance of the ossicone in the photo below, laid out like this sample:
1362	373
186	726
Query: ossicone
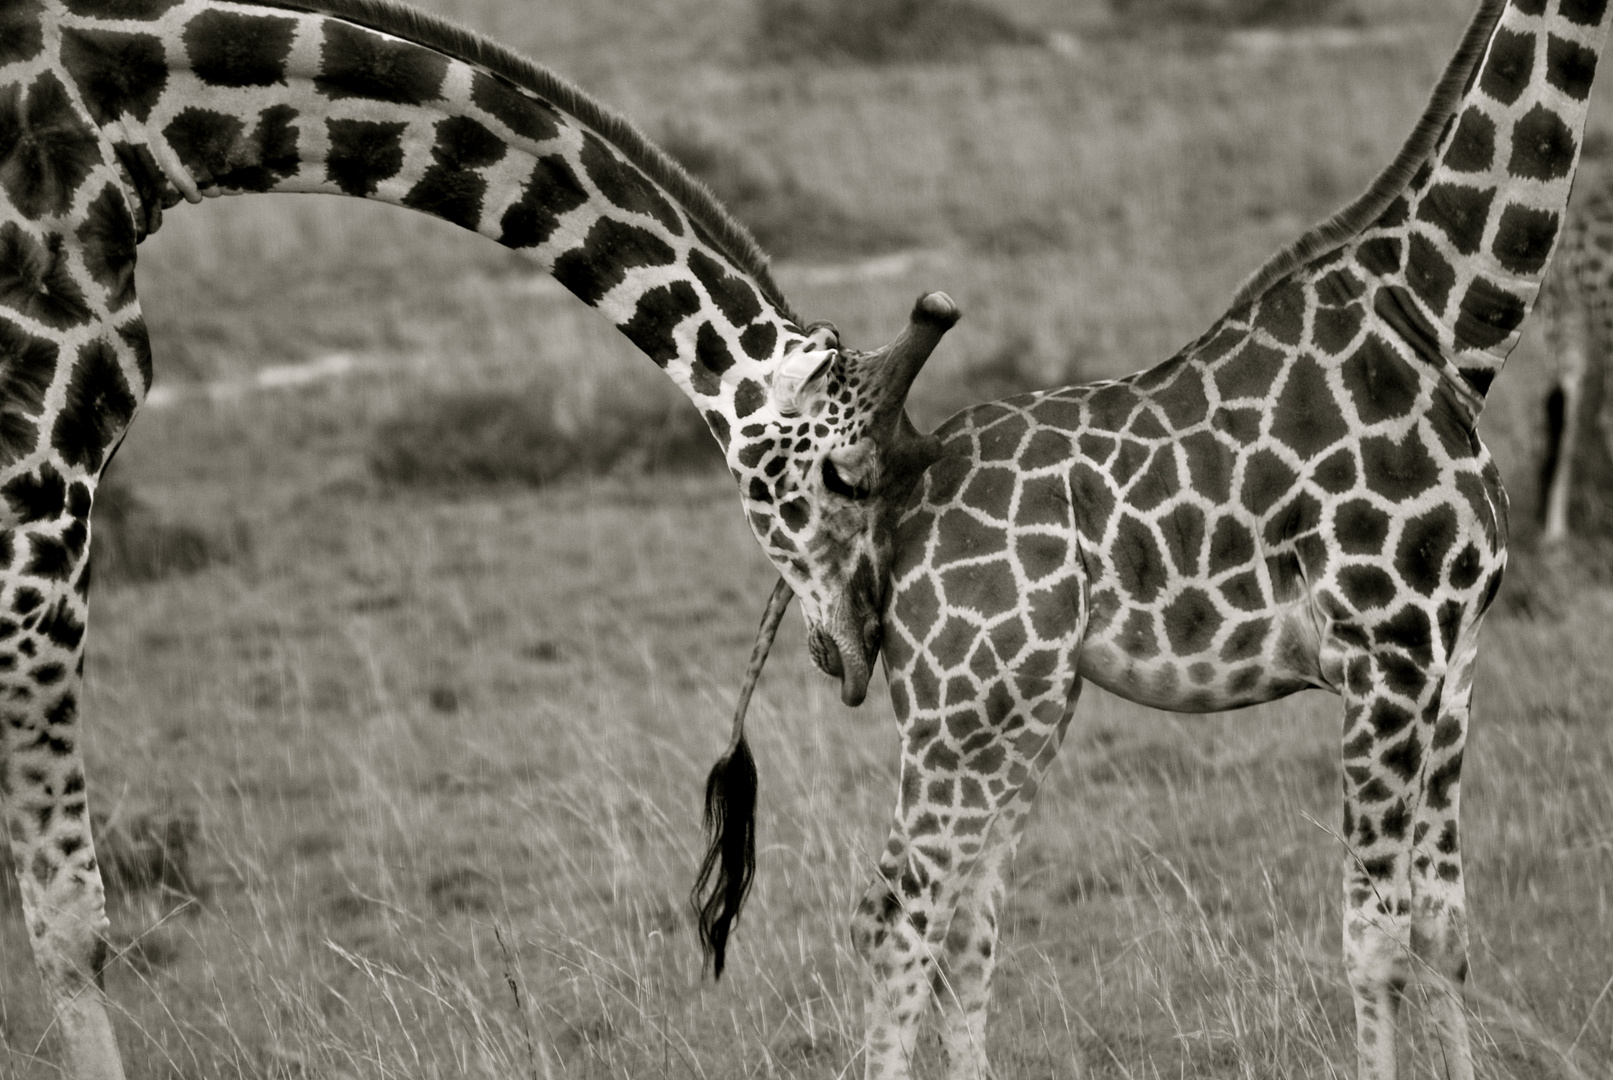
898	364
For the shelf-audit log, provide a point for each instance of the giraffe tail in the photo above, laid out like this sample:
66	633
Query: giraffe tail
730	818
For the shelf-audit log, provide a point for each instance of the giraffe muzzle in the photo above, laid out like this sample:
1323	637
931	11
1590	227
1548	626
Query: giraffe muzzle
850	664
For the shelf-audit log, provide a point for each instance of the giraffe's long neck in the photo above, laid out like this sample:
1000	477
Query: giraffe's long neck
203	97
1487	210
1459	231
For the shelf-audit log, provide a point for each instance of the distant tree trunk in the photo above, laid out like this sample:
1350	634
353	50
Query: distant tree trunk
1590	491
1579	439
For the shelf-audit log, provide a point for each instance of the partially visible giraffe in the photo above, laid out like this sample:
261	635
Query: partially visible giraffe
1576	307
1297	499
112	111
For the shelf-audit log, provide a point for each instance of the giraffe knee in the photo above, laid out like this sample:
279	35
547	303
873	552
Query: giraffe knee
1439	941
959	934
872	923
1377	952
71	951
66	917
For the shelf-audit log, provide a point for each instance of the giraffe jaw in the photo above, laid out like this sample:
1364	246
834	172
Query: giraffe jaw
854	677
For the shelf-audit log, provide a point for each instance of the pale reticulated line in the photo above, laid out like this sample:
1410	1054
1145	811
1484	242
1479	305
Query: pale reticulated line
275	377
1266	42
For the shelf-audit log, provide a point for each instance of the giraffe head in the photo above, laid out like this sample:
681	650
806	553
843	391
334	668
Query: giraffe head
849	458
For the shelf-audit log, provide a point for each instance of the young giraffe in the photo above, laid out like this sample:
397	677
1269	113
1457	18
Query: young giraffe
113	110
1576	305
1297	499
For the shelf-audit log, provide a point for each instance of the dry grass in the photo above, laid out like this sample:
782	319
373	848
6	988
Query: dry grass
483	437
443	757
1229	14
436	750
881	31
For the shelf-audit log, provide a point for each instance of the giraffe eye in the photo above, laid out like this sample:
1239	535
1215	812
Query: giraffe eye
840	485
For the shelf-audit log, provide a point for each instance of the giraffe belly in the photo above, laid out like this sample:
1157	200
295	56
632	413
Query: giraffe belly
1259	658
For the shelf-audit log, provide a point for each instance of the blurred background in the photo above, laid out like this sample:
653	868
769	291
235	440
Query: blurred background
422	598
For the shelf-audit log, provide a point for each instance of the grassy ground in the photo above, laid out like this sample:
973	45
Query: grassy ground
437	760
435	747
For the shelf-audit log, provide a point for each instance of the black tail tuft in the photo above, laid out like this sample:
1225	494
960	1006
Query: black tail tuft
731	855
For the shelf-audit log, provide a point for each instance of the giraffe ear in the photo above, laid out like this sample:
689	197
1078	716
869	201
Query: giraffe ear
799	374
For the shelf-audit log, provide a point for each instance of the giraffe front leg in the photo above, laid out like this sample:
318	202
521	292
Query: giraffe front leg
1391	703
889	930
970	950
973	757
969	958
1377	951
42	623
929	927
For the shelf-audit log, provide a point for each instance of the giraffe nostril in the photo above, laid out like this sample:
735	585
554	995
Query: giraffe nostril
873	637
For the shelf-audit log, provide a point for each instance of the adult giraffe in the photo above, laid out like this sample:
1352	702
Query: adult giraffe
1576	306
1297	499
113	110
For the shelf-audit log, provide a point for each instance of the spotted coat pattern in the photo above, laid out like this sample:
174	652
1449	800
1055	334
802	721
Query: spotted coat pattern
1577	308
1297	499
113	111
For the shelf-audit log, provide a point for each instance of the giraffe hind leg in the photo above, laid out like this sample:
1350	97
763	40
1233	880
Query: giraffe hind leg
76	374
891	939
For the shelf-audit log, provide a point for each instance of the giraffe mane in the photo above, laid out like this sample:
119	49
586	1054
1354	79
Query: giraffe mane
1346	222
726	232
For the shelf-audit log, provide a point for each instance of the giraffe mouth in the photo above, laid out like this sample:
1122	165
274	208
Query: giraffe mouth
841	656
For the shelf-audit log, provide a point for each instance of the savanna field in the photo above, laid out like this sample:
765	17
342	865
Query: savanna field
422	603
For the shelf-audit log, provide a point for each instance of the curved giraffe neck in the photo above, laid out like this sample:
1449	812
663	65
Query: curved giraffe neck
726	232
1458	232
198	98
